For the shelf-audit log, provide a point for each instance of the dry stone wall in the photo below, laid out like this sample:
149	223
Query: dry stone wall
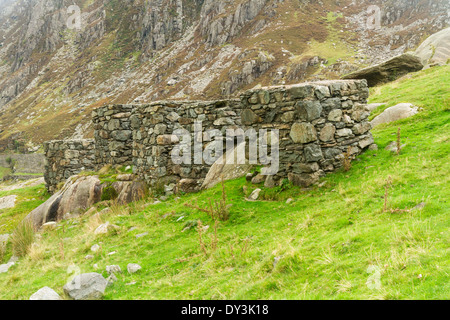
154	139
113	135
65	158
24	163
317	123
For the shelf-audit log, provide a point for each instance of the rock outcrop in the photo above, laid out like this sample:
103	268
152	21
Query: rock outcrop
79	194
389	70
221	170
435	49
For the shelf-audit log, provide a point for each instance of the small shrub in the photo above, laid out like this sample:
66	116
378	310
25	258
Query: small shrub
387	186
386	192
60	185
11	163
200	238
109	193
217	210
277	193
205	247
22	238
159	188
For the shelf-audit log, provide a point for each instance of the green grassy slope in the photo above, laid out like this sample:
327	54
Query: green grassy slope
27	199
331	242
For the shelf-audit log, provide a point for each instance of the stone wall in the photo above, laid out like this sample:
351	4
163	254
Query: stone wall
317	122
113	135
25	163
154	140
66	158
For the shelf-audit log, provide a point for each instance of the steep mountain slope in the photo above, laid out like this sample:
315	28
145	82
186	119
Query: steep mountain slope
52	76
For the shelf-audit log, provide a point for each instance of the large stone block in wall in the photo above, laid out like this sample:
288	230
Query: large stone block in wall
308	110
303	180
313	153
249	117
327	133
302	91
303	132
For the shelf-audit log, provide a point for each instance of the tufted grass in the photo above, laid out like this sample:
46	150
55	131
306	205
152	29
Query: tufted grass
22	238
331	242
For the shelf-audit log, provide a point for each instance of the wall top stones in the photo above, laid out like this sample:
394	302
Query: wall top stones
309	90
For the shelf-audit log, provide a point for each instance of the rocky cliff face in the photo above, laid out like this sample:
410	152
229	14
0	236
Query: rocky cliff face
53	75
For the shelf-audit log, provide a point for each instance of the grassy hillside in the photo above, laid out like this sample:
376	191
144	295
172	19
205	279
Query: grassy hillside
331	242
28	198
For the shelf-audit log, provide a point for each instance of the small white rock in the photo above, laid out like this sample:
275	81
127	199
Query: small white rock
111	279
4	268
255	195
46	294
49	226
141	235
113	269
102	229
133	268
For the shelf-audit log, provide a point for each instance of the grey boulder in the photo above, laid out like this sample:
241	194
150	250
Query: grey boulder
4	268
395	113
435	49
87	286
8	202
79	194
227	168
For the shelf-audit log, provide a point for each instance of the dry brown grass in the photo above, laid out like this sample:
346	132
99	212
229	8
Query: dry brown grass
22	238
217	210
2	251
347	160
399	143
